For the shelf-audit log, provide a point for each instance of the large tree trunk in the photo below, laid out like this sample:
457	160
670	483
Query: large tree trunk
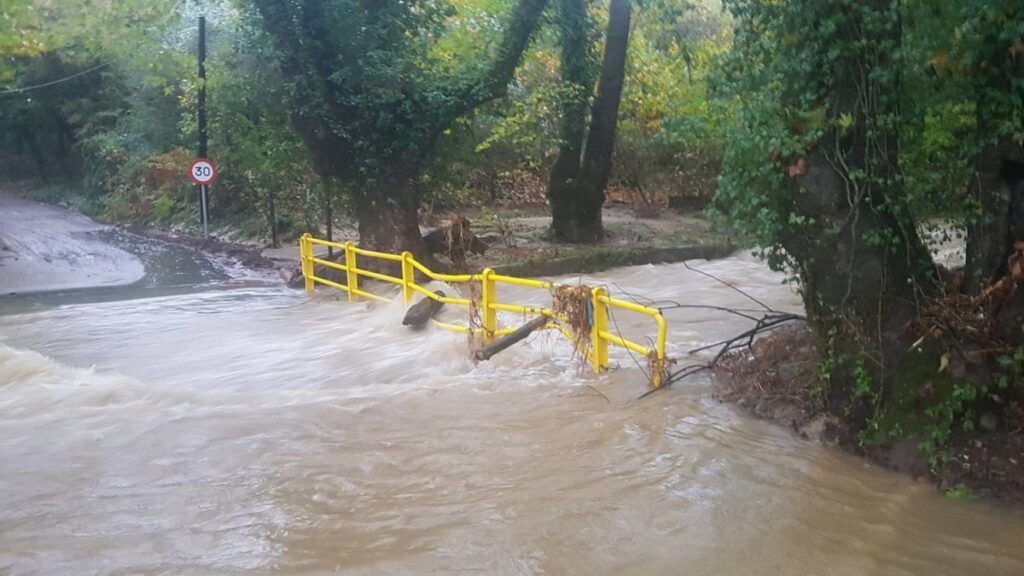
862	264
597	161
389	220
578	79
860	296
999	190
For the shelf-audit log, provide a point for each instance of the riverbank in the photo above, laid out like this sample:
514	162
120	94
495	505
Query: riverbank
778	380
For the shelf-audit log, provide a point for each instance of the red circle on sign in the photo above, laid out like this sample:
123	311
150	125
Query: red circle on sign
203	171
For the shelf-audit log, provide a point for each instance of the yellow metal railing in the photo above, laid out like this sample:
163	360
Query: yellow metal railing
600	302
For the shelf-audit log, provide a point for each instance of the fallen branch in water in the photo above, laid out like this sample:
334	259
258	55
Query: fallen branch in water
769	320
767	323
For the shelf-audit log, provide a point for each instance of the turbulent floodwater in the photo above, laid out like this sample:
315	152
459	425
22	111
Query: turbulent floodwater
256	430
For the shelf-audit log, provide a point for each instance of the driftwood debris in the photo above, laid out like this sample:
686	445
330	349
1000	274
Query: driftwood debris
769	319
504	342
421	312
456	241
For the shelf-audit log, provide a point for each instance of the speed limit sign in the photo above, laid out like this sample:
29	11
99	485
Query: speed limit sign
203	172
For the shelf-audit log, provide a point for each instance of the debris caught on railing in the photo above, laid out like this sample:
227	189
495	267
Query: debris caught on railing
572	306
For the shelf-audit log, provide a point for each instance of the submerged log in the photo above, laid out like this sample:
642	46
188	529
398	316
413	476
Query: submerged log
421	312
504	342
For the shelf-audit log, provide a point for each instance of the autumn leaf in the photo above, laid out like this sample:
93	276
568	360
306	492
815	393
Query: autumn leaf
797	168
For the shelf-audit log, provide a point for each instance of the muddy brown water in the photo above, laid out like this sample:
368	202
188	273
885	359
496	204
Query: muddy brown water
255	430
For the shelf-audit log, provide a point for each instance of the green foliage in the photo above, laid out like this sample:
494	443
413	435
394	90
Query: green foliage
19	35
164	208
782	79
381	82
960	494
936	163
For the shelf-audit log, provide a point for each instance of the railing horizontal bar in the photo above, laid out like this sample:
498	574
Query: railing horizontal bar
366	294
378	276
326	243
330	264
446	299
425	291
623	343
522	281
466	329
561	328
329	283
375	254
523	309
631	306
455	301
445	277
452	327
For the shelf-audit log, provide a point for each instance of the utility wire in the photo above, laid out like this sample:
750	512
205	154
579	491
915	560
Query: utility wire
58	81
23	89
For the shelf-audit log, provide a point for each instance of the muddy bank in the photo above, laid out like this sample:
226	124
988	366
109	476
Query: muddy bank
778	379
246	255
46	248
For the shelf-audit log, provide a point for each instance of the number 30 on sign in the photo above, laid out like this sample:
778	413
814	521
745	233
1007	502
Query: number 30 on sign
203	172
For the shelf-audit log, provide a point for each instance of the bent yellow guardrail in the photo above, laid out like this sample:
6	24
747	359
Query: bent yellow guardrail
600	301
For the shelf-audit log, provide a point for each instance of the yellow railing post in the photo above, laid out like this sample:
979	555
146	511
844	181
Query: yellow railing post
488	296
659	370
408	276
351	277
306	258
599	324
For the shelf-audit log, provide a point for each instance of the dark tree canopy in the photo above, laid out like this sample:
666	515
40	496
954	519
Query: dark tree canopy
370	99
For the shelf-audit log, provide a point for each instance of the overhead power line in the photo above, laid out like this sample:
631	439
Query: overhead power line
174	11
58	81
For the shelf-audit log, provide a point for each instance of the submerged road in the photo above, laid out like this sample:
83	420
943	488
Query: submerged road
47	248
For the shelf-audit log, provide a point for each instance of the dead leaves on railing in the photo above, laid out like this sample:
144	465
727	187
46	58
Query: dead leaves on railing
572	307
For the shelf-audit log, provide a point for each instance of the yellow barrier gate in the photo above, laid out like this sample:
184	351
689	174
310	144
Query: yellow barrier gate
600	301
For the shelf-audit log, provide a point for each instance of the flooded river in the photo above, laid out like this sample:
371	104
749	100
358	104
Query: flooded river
253	429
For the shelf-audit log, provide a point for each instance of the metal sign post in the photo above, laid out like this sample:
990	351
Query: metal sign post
202	193
203	172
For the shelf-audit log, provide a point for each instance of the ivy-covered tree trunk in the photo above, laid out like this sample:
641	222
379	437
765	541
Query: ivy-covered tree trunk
833	205
865	269
577	72
576	188
597	160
